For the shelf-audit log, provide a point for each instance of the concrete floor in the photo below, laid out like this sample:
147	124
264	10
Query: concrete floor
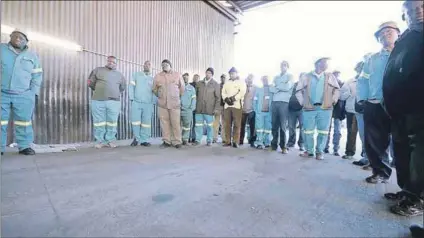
192	192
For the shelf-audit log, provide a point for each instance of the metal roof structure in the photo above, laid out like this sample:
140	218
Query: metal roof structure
248	5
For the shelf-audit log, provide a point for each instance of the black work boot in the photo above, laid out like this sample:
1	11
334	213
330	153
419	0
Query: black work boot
134	142
408	208
416	231
27	151
165	145
374	179
235	145
395	196
146	144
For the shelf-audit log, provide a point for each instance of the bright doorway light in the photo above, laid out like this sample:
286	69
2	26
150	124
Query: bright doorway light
34	36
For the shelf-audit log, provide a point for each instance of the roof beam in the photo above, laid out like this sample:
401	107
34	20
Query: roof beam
224	10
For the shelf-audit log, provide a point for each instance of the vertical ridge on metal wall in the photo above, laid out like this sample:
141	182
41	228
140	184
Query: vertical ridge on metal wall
189	33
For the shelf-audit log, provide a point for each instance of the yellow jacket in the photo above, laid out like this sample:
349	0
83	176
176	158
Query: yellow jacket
233	87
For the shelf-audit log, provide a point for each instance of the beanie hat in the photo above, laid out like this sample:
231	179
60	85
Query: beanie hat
233	70
167	61
19	31
185	74
210	70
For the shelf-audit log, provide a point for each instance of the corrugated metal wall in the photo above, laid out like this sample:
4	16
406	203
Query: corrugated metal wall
191	34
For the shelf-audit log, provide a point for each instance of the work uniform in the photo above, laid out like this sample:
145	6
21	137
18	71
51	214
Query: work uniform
262	106
107	85
142	101
337	118
348	93
377	124
188	105
208	104
248	116
317	94
193	128
21	78
233	113
282	91
403	88
295	116
168	87
219	121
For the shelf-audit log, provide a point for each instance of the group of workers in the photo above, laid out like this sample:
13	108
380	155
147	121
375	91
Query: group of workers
382	102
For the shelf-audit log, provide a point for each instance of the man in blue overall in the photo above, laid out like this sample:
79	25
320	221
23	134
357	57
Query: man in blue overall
262	106
188	105
142	100
318	93
21	79
107	84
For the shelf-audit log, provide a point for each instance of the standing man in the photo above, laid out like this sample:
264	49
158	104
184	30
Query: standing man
295	115
370	93
142	98
168	86
196	78
351	122
188	105
282	91
208	104
21	78
318	93
219	119
233	93
248	113
262	107
339	114
107	84
403	89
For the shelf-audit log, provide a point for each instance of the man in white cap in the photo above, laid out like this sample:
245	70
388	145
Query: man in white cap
21	79
403	88
370	94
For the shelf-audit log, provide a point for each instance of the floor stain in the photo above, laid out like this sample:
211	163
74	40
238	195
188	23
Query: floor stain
162	198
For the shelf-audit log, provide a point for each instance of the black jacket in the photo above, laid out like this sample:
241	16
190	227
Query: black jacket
403	81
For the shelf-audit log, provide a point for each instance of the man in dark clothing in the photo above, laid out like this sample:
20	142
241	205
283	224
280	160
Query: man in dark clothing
192	139
295	115
403	88
248	117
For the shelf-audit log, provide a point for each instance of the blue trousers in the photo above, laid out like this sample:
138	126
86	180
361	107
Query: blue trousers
105	120
141	120
263	126
360	121
320	120
337	135
200	120
22	107
186	121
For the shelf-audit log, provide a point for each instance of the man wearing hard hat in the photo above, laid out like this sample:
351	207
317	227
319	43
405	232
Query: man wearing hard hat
403	88
370	94
21	79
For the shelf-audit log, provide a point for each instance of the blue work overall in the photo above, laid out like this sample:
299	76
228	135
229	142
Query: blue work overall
188	105
263	122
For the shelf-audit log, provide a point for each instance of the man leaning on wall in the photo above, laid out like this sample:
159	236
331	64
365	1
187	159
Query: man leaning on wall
107	84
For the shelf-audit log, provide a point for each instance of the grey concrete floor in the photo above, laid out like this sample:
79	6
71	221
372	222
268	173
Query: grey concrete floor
192	192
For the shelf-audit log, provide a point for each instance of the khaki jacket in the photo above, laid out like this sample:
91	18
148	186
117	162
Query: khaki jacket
208	97
231	87
331	92
168	87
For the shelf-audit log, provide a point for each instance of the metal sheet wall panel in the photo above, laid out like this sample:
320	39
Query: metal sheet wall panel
191	34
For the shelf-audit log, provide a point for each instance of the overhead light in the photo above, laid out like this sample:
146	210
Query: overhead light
33	36
225	3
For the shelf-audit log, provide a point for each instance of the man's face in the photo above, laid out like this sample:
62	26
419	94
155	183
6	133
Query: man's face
196	78
208	75
166	67
322	65
147	66
223	79
284	66
413	12
265	80
249	79
185	77
18	40
233	75
111	63
388	36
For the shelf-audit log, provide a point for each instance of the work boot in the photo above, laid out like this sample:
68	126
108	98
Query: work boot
2	153
134	142
98	146
165	145
336	153
208	143
215	141
349	157
406	207
260	147
395	196
267	146
112	145
361	162
374	179
178	146
146	144
301	148
290	145
27	151
185	143
252	145
235	145
284	151
305	154
326	151
416	231
196	143
319	156
226	144
367	167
